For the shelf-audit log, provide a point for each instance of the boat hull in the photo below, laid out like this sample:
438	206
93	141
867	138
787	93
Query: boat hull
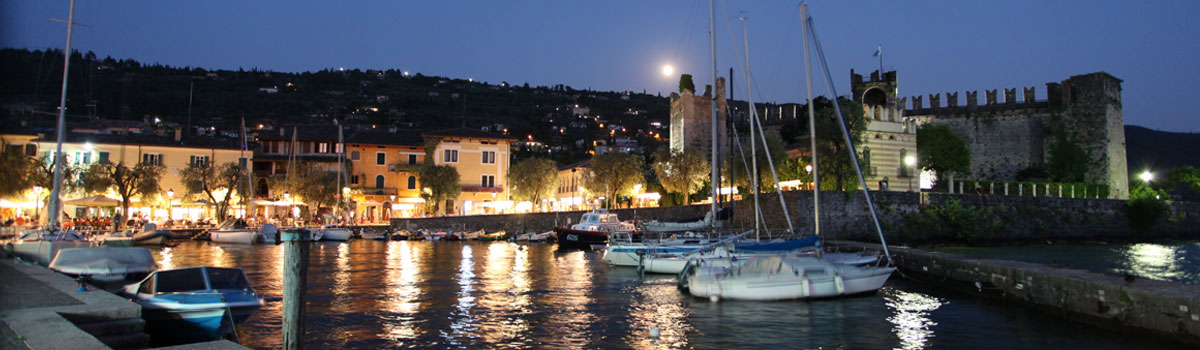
579	239
234	237
757	287
335	234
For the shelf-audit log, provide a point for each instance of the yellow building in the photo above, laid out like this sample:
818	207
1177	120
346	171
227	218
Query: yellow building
172	152
570	194
384	181
482	161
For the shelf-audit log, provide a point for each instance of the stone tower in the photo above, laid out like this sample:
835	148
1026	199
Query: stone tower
691	121
890	137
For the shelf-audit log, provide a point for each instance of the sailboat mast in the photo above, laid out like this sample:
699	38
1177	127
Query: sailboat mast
342	174
812	123
249	174
714	182
753	122
54	207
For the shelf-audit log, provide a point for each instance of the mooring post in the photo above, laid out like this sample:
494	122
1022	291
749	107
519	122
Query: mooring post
295	285
1005	188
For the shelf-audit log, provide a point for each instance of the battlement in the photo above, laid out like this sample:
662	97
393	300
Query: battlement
991	103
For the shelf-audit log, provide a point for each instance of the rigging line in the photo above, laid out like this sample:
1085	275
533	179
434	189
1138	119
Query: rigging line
683	45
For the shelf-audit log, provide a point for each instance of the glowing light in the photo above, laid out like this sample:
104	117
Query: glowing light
668	70
1146	176
908	160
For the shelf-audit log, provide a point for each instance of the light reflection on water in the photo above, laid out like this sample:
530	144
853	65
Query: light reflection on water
401	294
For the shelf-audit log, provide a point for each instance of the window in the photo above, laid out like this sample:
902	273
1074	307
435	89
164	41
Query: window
903	165
185	280
103	157
487	181
199	161
412	159
450	156
489	157
412	182
354	179
354	155
323	147
378	181
337	148
150	158
380	158
31	150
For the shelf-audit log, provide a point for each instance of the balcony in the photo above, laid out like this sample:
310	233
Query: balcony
378	191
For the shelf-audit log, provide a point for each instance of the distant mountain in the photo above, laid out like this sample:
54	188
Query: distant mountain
1153	149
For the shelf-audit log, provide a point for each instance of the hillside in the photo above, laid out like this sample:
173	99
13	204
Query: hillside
1153	149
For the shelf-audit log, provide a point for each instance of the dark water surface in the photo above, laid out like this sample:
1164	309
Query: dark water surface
1172	261
372	294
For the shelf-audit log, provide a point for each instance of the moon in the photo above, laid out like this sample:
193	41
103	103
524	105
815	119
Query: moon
667	70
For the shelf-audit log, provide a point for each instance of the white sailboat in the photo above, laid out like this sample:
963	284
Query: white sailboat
781	277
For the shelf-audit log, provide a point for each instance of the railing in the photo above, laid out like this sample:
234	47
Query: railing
378	191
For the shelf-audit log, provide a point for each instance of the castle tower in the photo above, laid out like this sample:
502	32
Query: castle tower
890	136
1092	116
691	121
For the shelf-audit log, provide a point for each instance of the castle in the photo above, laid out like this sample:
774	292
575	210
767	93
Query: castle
691	121
1007	136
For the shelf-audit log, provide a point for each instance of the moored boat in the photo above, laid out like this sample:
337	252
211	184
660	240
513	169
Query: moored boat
194	303
334	233
593	228
107	266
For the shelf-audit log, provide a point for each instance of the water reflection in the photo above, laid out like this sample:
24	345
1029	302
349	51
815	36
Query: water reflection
1151	260
912	322
164	258
463	325
570	286
401	292
657	303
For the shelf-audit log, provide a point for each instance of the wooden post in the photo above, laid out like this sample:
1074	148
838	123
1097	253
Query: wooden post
295	285
991	188
1020	189
1005	188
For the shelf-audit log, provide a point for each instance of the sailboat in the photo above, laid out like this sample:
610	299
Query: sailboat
782	277
335	232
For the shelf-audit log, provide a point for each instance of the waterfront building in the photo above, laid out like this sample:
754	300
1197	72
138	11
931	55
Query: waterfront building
570	194
383	179
482	161
315	145
173	152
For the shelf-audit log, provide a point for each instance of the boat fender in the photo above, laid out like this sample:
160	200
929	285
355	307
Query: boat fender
839	284
805	288
655	333
714	298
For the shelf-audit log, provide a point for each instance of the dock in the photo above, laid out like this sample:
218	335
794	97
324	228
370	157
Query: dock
42	309
1122	303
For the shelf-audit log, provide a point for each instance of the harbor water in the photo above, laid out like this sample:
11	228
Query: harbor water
1170	261
402	294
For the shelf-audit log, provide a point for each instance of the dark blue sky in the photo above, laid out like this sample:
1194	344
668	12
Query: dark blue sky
937	47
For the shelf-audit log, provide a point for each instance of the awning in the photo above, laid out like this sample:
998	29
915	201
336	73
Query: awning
94	201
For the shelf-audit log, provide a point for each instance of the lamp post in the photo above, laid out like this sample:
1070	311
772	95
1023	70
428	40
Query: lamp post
1146	176
909	162
807	168
287	197
37	202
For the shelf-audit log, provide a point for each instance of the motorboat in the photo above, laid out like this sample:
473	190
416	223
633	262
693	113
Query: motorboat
51	235
194	303
593	228
779	277
234	231
709	221
493	236
334	233
41	246
107	266
533	236
115	239
151	235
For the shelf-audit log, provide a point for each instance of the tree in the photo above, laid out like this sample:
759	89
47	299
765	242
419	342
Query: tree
14	171
439	183
1186	174
774	148
940	150
533	178
835	166
206	179
315	186
686	84
138	180
1068	162
681	172
613	174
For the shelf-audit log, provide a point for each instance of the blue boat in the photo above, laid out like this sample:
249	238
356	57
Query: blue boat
195	303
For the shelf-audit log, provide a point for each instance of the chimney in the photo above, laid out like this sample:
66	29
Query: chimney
178	133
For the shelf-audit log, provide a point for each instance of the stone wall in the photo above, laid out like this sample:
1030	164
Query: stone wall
845	216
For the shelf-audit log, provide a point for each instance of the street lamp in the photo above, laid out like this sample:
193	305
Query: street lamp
1147	176
909	162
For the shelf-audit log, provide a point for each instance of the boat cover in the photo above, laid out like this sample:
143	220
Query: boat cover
103	260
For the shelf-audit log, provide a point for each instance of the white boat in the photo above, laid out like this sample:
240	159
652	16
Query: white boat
593	228
194	303
106	265
333	233
708	222
236	231
150	235
41	246
782	278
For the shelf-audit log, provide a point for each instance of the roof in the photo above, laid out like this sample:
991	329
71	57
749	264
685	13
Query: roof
403	138
192	141
583	164
467	132
318	132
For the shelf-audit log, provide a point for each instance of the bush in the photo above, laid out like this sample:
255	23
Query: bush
952	219
1145	208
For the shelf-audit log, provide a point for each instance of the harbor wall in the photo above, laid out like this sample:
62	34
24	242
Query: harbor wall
1123	303
844	216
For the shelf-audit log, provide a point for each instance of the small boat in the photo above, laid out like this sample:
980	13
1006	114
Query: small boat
334	233
41	246
707	222
593	228
151	235
234	231
115	239
402	235
194	303
776	277
493	236
109	266
50	235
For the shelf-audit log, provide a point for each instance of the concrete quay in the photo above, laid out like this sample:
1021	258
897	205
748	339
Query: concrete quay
42	309
1123	303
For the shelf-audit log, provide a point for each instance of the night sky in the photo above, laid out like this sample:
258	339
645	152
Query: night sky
937	47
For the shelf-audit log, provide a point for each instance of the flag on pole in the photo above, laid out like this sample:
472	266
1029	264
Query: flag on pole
878	51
